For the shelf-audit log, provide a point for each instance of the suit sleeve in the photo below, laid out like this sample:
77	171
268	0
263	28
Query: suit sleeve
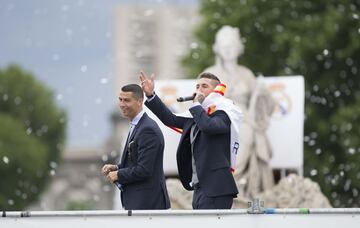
217	123
164	114
149	148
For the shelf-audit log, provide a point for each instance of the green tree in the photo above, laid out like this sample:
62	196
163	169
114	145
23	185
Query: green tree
32	133
320	40
79	205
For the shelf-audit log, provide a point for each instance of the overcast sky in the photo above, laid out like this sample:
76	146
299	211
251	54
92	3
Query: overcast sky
68	45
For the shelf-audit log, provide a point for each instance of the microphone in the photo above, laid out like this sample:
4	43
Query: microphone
188	98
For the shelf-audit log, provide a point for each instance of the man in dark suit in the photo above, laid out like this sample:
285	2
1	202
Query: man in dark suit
203	154
140	174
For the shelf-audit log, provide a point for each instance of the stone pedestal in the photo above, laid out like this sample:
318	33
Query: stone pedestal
291	192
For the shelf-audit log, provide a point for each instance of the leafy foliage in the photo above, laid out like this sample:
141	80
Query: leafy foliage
32	134
317	39
79	205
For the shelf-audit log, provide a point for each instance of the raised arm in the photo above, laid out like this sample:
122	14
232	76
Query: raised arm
155	104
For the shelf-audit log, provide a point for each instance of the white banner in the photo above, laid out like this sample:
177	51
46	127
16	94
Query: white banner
286	130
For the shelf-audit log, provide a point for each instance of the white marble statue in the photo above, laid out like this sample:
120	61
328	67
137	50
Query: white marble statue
253	174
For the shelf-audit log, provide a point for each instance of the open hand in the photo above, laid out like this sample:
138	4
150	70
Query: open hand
147	84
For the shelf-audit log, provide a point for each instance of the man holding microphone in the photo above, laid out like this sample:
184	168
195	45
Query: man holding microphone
203	156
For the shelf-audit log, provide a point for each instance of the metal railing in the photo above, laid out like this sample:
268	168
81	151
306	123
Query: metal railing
19	214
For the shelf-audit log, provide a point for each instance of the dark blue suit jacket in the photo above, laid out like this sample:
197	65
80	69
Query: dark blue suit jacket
141	172
211	148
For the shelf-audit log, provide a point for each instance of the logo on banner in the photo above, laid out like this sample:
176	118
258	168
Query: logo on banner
283	101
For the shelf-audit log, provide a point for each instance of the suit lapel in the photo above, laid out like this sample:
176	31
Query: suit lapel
124	154
129	139
186	130
137	127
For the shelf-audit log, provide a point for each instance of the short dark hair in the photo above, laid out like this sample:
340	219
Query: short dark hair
211	76
135	89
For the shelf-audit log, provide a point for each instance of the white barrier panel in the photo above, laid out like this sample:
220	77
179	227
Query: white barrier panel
286	126
279	218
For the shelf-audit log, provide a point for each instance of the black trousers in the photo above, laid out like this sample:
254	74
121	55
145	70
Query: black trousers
201	201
